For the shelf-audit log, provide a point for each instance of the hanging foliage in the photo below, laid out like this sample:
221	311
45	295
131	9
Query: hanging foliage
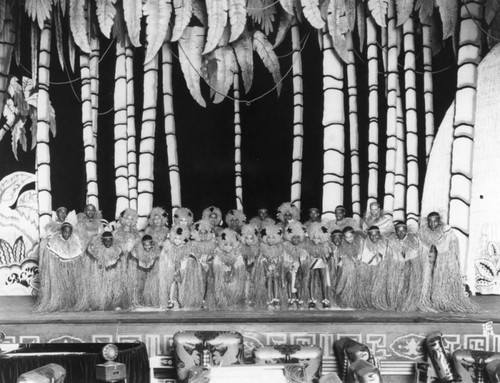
448	10
265	51
79	25
378	9
287	6
244	55
263	13
183	11
132	12
217	20
403	9
218	70
190	50
286	21
237	18
38	10
157	14
311	11
106	12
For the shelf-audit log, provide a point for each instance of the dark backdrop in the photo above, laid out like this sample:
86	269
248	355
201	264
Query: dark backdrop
206	136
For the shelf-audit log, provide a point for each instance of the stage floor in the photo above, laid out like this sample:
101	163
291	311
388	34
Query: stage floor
18	310
394	337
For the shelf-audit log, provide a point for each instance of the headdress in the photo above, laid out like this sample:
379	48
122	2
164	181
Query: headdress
373	229
341	207
288	207
107	234
66	224
399	223
228	236
362	367
293	229
271	230
313	209
347	229
207	212
179	231
249	229
146	237
199	226
61	208
158	211
318	230
130	212
336	232
183	212
234	213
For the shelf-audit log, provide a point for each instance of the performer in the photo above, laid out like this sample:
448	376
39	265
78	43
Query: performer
269	272
262	219
213	215
287	212
126	234
314	216
348	285
103	268
250	250
319	275
372	271
60	267
157	225
335	260
341	221
296	265
88	224
235	219
376	217
183	217
229	272
442	288
202	246
58	218
141	267
405	271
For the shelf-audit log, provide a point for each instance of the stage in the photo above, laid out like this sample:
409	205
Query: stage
394	337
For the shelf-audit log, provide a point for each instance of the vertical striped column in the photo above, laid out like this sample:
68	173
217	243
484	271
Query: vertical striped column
7	40
333	128
469	56
428	88
373	59
298	117
94	85
352	89
131	127
237	144
42	132
400	175
120	131
171	139
145	184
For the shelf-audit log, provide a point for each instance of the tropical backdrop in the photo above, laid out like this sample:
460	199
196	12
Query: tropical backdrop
241	103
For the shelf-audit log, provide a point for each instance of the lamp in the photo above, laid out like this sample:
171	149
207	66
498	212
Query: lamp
111	371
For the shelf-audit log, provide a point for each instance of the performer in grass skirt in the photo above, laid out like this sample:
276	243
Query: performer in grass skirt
143	266
269	273
235	219
229	273
250	250
60	270
373	271
175	250
405	272
262	219
89	224
442	282
287	212
341	220
157	225
126	234
202	246
314	215
335	260
213	215
347	286
104	267
296	265
183	217
318	281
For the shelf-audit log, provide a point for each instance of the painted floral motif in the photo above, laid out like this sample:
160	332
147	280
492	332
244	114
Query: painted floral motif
487	267
408	346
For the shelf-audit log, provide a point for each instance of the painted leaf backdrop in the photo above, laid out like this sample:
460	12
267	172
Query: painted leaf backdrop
265	51
79	25
157	14
183	10
217	20
244	55
190	50
106	12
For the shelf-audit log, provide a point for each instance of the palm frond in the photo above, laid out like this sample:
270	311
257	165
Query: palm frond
403	9
448	9
19	137
190	51
361	22
200	11
183	11
237	18
106	12
78	24
425	9
312	13
491	9
217	20
59	36
263	13
338	27
266	53
243	50
350	12
378	9
132	13
157	14
38	10
287	6
286	21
